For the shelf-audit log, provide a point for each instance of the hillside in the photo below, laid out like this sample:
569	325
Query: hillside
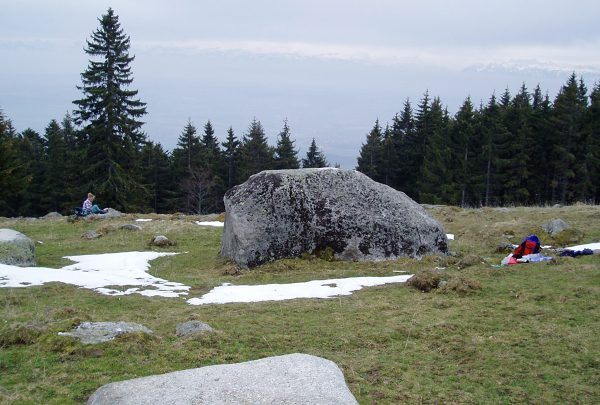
528	335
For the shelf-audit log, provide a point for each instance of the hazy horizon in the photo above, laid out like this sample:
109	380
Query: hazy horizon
330	68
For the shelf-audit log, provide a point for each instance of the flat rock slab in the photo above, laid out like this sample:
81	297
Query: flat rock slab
16	249
292	379
98	332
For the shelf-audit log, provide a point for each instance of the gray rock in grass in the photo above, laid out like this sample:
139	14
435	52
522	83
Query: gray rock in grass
90	235
284	213
131	227
161	241
192	327
98	332
292	379
555	227
16	249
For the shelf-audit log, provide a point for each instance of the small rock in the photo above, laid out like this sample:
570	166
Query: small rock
161	241
90	235
555	227
52	215
131	227
191	327
98	332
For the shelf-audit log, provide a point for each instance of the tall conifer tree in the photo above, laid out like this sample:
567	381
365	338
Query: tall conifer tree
14	177
567	121
370	159
231	155
257	155
110	114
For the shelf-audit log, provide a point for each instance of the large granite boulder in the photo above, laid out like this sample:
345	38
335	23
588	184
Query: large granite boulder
284	213
16	249
290	379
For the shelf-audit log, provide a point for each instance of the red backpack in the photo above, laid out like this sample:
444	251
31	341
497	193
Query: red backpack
529	246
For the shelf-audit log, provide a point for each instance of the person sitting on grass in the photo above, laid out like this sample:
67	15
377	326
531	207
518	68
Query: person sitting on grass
90	208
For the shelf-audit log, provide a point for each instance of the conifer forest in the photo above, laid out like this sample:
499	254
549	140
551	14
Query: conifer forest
515	149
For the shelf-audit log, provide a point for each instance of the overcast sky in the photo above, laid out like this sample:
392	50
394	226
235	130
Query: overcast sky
331	67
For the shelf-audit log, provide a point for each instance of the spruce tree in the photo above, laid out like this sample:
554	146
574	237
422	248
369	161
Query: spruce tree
109	113
540	149
212	164
231	155
286	155
370	159
389	157
567	121
414	146
211	152
56	171
461	153
14	176
593	125
403	128
76	188
32	149
158	179
493	133
256	154
314	157
186	169
434	184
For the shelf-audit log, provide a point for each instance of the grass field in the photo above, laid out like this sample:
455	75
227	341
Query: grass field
529	335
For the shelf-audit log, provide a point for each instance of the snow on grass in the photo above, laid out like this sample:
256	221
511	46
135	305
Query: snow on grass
593	246
98	272
210	223
143	220
450	236
228	293
103	272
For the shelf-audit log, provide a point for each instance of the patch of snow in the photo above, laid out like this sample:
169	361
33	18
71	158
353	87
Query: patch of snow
95	272
228	293
143	220
210	223
450	236
593	246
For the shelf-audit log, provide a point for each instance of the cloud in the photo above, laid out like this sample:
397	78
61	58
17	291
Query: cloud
580	57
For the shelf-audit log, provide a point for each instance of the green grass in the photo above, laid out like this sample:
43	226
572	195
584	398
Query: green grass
528	336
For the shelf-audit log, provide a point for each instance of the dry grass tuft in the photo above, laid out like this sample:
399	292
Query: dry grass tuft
20	334
468	261
461	285
425	280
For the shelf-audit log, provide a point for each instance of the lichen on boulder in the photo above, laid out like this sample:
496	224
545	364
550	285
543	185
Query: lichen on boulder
16	249
284	213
